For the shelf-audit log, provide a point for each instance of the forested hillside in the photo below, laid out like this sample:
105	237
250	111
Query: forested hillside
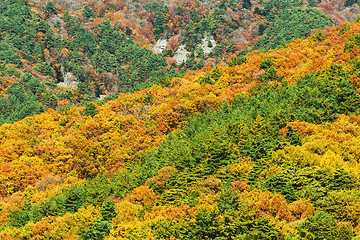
264	146
60	53
183	119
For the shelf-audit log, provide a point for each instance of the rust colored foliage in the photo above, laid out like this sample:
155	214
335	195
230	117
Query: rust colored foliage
121	130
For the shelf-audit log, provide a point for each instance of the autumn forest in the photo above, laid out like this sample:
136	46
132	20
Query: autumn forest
179	119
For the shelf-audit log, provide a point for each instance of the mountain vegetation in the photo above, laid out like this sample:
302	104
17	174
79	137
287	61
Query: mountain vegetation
102	137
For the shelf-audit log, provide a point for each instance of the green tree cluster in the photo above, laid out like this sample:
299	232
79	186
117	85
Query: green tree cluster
289	25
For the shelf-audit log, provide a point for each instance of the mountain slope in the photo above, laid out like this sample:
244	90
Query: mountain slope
81	51
262	150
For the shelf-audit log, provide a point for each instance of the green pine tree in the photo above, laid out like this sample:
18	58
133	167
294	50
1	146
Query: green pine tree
88	12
